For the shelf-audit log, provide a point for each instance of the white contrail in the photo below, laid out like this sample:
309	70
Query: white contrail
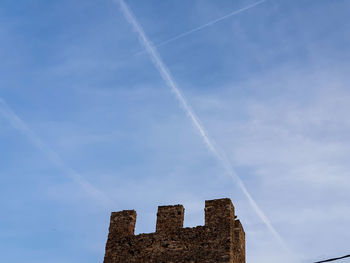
236	12
17	123
167	77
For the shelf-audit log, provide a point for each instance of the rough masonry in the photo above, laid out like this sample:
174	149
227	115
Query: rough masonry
221	239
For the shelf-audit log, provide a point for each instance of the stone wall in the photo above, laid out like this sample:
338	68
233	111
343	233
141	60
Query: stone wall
221	239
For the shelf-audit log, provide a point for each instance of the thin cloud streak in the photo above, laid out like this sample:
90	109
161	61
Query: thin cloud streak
236	12
167	77
17	123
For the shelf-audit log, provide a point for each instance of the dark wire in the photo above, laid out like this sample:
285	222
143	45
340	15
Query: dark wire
333	259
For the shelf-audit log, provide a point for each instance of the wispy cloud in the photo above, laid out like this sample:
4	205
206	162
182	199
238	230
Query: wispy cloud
256	83
221	156
297	150
17	123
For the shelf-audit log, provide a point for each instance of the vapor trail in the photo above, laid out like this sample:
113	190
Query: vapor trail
236	12
17	123
167	77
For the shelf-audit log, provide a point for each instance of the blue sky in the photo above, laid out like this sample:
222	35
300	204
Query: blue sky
88	126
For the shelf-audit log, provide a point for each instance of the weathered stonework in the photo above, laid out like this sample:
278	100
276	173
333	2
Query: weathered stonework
221	239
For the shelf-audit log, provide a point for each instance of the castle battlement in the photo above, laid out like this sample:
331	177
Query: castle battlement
221	239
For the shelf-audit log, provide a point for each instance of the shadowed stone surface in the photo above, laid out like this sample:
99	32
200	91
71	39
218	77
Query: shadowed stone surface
221	239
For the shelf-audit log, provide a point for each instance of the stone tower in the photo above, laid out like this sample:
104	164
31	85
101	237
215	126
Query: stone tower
221	239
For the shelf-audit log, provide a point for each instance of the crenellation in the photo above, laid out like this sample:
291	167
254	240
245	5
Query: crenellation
219	213
123	223
220	240
170	218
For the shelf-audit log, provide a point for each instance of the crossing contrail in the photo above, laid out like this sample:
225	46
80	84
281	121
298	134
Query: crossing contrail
236	12
169	80
17	123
